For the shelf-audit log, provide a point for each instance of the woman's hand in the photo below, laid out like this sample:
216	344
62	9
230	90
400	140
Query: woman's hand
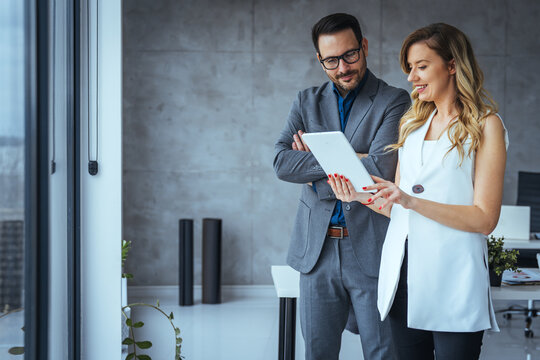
390	192
344	190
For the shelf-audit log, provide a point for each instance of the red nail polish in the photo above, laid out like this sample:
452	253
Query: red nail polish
341	176
364	188
335	175
330	176
369	200
380	207
346	179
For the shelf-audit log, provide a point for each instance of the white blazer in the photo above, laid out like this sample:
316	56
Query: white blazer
448	277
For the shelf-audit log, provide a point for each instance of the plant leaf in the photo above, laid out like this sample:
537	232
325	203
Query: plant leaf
138	324
157	302
128	341
16	350
128	322
171	316
178	340
144	345
130	356
144	357
177	331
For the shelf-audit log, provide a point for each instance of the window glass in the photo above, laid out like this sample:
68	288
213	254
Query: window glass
12	151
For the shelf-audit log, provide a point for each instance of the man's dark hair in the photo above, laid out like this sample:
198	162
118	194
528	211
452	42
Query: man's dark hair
334	23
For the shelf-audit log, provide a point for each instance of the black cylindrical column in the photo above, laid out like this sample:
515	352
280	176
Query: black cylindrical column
185	277
211	252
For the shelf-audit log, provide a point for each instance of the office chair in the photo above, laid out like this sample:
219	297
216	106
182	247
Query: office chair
528	195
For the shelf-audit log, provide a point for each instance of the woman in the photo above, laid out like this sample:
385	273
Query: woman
434	280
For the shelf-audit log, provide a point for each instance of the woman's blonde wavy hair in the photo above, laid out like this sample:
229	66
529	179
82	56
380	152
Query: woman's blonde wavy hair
473	102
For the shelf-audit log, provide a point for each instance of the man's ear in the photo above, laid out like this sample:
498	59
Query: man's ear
452	67
319	61
365	46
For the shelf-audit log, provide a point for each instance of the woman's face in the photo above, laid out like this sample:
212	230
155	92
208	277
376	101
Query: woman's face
430	74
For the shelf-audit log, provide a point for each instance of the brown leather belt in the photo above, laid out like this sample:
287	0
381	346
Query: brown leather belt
337	232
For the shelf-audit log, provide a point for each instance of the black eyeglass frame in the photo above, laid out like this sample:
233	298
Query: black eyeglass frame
341	57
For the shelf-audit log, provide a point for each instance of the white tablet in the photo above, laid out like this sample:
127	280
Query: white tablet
336	156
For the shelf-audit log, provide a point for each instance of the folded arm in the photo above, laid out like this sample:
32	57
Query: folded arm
294	165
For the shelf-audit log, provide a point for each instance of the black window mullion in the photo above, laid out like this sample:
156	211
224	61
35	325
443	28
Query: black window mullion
73	191
36	181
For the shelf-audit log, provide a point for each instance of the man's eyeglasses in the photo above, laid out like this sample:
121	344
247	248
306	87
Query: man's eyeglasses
350	57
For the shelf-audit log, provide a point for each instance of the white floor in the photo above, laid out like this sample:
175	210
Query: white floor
245	326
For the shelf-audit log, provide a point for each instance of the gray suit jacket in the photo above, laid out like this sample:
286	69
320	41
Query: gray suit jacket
373	124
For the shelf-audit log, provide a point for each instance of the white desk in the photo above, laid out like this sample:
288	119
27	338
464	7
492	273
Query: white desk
516	292
286	281
522	244
287	285
519	292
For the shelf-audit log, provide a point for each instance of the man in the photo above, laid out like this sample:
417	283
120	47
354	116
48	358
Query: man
336	247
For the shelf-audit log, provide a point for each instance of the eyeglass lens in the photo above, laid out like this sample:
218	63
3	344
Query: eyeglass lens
349	57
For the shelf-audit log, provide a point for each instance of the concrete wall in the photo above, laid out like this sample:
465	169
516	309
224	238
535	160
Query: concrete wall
208	86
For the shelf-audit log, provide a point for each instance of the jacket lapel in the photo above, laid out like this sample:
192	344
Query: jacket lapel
361	105
329	108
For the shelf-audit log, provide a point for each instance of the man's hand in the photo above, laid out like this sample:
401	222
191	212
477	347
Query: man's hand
298	142
360	156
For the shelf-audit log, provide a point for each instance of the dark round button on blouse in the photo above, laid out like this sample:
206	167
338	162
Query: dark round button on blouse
417	189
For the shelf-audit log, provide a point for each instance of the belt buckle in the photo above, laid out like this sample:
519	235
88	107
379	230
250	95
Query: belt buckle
340	229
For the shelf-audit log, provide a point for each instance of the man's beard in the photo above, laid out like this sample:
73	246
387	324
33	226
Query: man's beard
351	84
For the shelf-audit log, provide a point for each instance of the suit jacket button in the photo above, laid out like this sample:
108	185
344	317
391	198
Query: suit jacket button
347	207
417	189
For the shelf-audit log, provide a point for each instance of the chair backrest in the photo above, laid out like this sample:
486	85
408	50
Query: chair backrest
529	195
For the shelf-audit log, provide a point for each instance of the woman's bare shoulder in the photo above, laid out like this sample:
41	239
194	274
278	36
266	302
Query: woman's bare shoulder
493	126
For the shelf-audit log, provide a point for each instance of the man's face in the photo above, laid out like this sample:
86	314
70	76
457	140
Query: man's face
345	76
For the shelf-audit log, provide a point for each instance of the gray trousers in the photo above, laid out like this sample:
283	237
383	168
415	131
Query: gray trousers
326	294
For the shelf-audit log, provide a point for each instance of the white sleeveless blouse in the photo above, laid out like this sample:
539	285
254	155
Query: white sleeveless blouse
448	278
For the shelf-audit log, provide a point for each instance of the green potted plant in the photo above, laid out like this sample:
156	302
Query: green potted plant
500	259
136	346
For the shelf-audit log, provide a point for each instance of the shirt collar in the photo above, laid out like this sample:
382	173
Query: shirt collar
352	94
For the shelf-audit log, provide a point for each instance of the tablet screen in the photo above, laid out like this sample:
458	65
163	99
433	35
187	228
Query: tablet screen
336	155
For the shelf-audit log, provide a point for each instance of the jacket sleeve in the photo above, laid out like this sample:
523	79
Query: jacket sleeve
381	162
292	165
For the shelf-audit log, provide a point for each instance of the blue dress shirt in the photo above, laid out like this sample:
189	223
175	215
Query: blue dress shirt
344	107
